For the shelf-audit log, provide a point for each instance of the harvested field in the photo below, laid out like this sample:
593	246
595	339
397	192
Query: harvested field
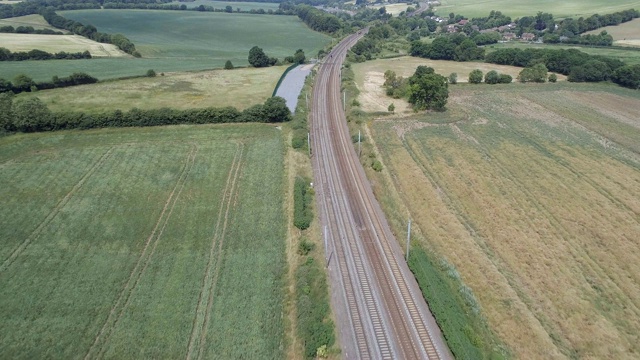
532	192
240	88
369	77
142	243
58	43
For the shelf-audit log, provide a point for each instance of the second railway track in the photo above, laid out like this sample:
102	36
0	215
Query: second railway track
379	309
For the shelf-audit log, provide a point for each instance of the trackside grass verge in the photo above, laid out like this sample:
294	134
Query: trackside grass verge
454	307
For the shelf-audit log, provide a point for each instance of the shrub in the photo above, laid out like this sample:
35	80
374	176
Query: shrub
505	79
305	246
302	215
151	73
228	65
553	77
453	78
376	165
492	77
475	76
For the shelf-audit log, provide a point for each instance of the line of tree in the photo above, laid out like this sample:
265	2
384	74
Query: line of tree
318	20
33	115
425	90
456	47
200	8
28	30
35	54
23	83
577	65
90	31
570	27
602	39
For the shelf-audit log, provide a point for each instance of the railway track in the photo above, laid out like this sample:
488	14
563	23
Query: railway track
379	308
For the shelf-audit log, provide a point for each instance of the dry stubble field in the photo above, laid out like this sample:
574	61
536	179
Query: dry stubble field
163	242
369	77
533	193
58	43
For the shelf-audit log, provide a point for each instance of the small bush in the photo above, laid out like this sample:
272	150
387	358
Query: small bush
475	76
376	165
151	73
553	78
305	246
453	78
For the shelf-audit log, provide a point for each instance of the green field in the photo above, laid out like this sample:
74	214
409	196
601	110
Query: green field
519	8
629	56
143	243
244	6
179	41
536	188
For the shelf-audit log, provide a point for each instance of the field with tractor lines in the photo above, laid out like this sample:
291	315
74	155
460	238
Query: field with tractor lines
143	243
532	194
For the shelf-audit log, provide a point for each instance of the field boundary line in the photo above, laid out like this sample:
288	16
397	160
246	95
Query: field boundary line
144	259
210	279
54	212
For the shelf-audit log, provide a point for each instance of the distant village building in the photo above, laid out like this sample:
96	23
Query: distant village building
451	28
508	36
528	36
463	22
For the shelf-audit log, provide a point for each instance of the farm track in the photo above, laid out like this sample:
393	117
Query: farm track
124	297
210	279
55	211
379	307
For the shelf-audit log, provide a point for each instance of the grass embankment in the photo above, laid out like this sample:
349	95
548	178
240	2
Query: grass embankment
519	8
531	193
189	45
240	88
148	242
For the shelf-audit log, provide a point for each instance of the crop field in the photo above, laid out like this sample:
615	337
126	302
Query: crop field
239	88
211	37
58	43
519	8
34	20
394	9
162	242
627	34
369	77
630	56
244	6
179	41
532	192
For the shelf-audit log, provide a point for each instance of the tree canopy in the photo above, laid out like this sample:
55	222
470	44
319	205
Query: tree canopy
428	90
257	58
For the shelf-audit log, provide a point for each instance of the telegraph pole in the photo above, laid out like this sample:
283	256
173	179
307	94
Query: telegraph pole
359	148
309	143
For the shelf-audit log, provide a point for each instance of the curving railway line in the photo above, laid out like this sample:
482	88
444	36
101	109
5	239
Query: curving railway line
379	308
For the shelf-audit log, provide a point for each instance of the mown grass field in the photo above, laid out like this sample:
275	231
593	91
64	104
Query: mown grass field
58	43
36	21
519	8
239	88
532	193
630	56
143	243
627	34
179	41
